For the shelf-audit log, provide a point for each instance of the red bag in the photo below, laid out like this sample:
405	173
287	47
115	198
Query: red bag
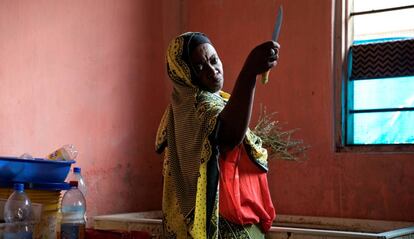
244	196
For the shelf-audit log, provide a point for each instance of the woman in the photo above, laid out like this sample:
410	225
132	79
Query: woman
203	129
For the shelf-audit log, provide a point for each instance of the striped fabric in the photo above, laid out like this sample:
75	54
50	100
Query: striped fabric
381	60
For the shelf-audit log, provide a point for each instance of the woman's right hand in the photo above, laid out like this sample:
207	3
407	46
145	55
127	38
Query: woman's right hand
262	58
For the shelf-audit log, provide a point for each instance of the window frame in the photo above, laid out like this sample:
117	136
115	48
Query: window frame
341	42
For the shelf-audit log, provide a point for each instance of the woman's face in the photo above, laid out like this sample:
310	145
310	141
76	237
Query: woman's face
208	68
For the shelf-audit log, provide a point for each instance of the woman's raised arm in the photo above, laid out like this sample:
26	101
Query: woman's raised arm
235	117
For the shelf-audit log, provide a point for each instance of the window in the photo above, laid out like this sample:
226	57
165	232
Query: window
374	72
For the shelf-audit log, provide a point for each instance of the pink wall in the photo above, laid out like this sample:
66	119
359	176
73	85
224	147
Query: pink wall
92	73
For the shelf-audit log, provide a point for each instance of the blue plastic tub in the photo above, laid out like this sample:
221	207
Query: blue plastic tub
38	186
37	170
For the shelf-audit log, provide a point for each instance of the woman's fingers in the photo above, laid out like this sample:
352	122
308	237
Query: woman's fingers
270	51
263	57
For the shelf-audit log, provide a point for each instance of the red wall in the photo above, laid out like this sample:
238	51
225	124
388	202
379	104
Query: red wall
92	73
351	185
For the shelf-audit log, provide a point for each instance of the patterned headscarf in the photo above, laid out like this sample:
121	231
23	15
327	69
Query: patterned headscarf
179	54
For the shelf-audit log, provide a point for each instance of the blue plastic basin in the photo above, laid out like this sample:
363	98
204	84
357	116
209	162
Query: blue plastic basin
37	170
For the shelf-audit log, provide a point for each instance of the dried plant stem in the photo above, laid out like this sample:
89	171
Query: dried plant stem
279	143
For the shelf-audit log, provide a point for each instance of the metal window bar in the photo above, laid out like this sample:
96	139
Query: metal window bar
381	10
381	110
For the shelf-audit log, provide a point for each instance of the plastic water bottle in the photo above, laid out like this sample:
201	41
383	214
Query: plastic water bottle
18	215
73	213
66	152
77	176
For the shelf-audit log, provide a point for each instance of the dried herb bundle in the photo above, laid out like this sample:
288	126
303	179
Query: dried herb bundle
279	143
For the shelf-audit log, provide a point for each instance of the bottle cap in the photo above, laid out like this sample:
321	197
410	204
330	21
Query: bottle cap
76	170
19	187
73	184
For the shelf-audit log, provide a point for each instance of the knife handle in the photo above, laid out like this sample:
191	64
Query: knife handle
265	77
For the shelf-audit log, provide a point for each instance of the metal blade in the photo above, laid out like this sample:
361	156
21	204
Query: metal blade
278	24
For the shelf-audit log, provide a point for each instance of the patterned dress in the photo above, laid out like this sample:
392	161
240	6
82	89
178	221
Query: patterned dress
187	137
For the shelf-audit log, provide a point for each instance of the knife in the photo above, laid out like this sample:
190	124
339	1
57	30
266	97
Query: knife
275	37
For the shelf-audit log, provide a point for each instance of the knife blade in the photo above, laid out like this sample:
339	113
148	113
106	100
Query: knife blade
275	37
278	24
